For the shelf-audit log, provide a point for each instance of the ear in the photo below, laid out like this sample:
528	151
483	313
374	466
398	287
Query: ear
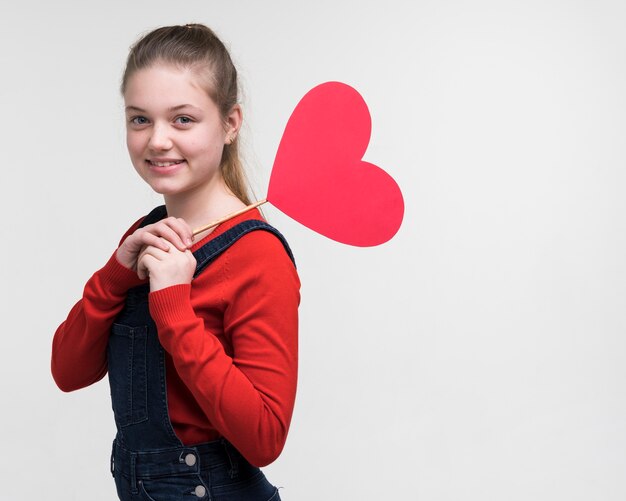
233	123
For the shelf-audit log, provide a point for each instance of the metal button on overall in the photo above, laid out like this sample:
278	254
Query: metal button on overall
190	459
200	491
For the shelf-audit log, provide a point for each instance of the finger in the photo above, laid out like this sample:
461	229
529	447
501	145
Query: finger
150	239
169	231
155	252
141	253
148	257
144	265
191	257
182	229
142	271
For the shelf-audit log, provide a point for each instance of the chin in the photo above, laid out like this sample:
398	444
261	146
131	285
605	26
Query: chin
164	189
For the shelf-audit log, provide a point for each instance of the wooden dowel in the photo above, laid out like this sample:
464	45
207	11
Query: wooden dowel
229	216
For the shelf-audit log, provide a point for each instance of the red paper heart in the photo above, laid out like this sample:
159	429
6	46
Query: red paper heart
319	179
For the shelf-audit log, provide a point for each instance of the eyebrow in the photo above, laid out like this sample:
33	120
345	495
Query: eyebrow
173	108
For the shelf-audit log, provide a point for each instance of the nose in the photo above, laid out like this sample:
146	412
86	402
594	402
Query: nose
160	139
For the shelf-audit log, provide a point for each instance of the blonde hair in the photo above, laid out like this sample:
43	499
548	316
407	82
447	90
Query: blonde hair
197	47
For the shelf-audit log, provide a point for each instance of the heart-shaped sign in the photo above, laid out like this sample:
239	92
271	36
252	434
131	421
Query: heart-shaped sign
319	178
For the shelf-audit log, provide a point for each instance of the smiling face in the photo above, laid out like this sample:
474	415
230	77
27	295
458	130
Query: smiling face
174	131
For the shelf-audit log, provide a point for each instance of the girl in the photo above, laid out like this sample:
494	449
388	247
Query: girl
199	338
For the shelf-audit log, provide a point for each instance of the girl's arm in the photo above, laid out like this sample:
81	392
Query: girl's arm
79	346
80	342
247	395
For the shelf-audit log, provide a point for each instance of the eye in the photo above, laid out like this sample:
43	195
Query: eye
183	120
138	120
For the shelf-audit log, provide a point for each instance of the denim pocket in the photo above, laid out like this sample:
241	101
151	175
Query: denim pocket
127	373
173	488
255	487
144	494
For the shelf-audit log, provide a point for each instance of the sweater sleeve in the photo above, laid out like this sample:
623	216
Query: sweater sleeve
248	393
79	345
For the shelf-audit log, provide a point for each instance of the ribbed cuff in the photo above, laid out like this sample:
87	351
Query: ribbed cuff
117	278
171	304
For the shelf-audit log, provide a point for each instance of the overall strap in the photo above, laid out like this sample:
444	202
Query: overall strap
206	254
155	215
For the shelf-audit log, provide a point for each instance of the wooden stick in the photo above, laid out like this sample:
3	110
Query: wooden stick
229	216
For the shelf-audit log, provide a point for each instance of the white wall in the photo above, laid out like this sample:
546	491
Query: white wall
479	355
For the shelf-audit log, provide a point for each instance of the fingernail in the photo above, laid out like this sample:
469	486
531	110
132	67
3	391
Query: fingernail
189	241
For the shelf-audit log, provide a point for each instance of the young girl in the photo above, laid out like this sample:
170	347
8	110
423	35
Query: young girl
199	337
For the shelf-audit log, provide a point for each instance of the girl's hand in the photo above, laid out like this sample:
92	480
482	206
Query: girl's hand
162	235
165	268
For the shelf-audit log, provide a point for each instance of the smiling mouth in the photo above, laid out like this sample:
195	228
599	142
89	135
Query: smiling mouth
164	164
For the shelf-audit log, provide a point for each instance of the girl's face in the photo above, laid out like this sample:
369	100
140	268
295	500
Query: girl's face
174	131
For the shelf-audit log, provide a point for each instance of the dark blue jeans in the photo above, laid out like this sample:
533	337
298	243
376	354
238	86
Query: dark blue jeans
212	471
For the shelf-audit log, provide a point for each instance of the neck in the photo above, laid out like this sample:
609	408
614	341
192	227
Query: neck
203	204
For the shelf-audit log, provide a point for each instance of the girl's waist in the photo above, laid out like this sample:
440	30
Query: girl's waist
153	463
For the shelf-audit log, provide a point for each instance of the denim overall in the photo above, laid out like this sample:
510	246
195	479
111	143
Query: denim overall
148	461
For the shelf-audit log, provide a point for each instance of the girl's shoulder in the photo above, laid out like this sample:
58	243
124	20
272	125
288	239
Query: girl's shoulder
248	237
255	260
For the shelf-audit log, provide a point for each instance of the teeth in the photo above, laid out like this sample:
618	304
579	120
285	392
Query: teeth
164	164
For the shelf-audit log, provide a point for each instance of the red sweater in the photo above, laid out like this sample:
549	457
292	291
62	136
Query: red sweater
230	339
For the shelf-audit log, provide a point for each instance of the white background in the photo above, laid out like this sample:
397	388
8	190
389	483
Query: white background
479	355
